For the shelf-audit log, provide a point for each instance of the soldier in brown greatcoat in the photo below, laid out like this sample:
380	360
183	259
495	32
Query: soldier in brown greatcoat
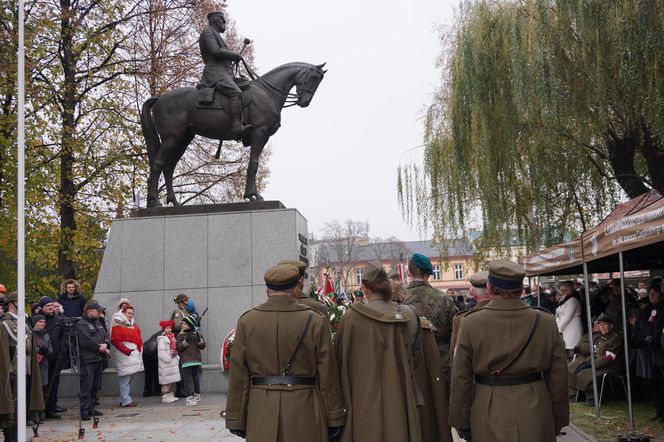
284	381
479	292
509	376
302	297
377	345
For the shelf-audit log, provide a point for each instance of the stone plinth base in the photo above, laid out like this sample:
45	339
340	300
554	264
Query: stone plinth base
218	258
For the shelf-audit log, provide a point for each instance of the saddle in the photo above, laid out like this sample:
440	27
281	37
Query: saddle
210	98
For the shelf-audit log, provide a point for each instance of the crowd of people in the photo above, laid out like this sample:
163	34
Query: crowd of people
643	309
70	332
435	364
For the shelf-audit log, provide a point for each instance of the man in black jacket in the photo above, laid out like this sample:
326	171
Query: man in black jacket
58	359
94	347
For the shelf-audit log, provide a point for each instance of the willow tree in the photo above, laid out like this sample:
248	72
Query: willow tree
548	111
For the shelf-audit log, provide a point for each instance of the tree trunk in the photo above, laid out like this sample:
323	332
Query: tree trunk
621	157
654	157
67	194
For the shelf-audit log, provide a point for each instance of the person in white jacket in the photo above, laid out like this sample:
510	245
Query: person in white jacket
128	345
568	317
169	362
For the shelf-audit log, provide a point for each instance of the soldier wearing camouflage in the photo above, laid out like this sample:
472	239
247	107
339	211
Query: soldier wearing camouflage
434	305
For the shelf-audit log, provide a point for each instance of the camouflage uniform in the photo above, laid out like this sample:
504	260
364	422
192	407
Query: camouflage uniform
438	308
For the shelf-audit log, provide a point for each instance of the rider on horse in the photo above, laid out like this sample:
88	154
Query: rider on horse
218	72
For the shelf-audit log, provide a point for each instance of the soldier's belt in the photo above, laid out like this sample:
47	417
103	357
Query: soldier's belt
283	380
507	381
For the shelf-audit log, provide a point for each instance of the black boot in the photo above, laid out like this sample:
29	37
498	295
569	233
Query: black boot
235	114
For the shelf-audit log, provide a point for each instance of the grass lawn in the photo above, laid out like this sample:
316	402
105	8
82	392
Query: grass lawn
615	420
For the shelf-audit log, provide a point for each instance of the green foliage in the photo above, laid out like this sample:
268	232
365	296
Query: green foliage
547	109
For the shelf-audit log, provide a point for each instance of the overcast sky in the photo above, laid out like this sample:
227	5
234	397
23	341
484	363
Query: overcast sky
338	158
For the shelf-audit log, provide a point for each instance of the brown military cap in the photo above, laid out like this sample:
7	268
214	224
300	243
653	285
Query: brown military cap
11	297
282	277
301	266
373	272
181	298
506	274
478	279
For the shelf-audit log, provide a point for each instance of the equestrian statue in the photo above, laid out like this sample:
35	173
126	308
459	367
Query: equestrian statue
219	108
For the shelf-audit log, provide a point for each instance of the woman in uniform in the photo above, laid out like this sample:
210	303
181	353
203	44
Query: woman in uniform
376	346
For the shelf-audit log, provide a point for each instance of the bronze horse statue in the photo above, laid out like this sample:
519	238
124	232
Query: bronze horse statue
171	120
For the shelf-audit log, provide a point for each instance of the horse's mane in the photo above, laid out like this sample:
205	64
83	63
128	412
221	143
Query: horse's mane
294	64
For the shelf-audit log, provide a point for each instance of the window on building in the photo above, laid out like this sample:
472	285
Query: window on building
436	273
358	276
458	271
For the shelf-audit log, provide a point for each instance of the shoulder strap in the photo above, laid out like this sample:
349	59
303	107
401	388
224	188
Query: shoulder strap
287	367
523	347
11	334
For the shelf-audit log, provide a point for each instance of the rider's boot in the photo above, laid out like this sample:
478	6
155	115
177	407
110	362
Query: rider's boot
235	114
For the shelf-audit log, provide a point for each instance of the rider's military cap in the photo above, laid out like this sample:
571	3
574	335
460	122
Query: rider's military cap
506	274
301	266
373	272
479	279
422	262
212	15
282	277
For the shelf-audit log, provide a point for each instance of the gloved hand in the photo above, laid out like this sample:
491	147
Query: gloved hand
239	433
465	434
582	366
650	340
333	432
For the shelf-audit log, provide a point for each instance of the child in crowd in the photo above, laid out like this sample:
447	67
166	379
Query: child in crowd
189	344
169	362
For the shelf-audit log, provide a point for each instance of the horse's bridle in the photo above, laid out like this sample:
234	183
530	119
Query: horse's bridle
289	98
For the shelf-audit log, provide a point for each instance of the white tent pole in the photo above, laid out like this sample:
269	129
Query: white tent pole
590	339
539	295
20	345
624	321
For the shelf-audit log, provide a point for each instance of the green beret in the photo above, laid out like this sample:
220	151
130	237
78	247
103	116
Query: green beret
373	272
506	274
301	266
422	262
282	277
479	279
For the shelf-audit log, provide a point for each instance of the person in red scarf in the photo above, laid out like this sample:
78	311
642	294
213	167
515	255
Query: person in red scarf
169	362
126	339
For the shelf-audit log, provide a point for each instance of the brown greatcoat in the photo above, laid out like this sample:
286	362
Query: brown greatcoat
6	402
429	374
307	300
488	339
457	319
265	338
374	350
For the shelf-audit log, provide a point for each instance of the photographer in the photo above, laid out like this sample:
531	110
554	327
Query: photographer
95	348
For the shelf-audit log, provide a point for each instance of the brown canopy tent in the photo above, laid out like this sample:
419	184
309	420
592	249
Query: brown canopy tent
632	237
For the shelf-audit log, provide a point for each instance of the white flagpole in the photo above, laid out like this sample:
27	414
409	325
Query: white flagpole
21	344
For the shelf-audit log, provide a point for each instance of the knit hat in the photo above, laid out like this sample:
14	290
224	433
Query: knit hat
164	324
45	300
123	301
36	318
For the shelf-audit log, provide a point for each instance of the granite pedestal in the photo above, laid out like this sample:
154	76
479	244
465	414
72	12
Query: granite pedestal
216	254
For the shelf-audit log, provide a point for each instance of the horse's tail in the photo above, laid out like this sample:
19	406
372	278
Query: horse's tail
149	130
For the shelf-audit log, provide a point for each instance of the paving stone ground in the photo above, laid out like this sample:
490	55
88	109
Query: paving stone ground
153	421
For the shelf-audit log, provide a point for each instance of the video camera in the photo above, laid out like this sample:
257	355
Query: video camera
69	323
